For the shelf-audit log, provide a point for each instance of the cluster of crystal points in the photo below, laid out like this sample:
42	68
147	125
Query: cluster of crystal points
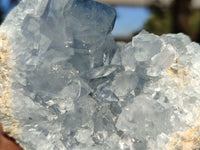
74	88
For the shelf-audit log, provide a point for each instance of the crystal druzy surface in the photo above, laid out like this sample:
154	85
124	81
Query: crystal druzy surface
67	85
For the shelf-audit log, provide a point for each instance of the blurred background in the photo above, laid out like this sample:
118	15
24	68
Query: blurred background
155	16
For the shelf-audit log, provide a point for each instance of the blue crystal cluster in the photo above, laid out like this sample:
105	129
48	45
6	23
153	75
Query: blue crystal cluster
74	88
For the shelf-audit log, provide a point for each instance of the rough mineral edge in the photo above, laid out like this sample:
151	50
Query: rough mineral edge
189	138
186	140
7	117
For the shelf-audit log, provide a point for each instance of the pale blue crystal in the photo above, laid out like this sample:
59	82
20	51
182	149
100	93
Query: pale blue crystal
74	88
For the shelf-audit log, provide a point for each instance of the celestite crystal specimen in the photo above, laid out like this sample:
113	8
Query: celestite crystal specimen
65	84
